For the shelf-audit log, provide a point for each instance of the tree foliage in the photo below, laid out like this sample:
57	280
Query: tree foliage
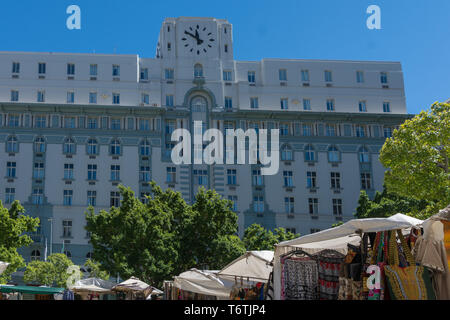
258	238
417	158
95	270
13	225
52	272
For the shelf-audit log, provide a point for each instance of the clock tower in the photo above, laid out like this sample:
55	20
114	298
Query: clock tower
195	38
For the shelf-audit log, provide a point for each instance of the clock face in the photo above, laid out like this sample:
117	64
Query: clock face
197	39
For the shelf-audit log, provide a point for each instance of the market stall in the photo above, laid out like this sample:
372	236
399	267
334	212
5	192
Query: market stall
3	266
29	292
134	289
92	288
315	260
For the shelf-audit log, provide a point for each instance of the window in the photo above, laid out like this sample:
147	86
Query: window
41	96
68	254
258	204
93	70
330	104
314	230
386	107
169	74
313	204
289	205
116	70
286	153
68	171
40	121
383	77
70	97
328	76
306	104
330	130
70	69
198	71
226	47
311	180
309	153
12	146
38	170
231	176
144	74
387	132
364	155
93	97
284	104
228	103
13	120
15	67
35	255
92	123
38	196
92	146
169	100
171	174
169	46
337	207
69	122
67	200
115	172
92	172
69	146
14	95
282	74
116	98
10	195
39	145
360	131
41	68
226	75
291	230
145	98
251	75
305	75
114	147
362	106
254	103
335	180
145	148
170	126
233	199
67	228
144	124
114	199
365	181
359	76
144	174
287	176
257	178
284	129
201	177
333	154
11	169
89	254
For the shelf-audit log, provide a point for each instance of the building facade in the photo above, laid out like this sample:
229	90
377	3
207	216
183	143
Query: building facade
75	126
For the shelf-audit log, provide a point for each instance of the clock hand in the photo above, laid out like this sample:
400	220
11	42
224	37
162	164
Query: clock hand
190	34
199	41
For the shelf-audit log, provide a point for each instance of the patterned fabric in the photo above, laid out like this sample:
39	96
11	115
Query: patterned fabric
407	283
301	279
329	262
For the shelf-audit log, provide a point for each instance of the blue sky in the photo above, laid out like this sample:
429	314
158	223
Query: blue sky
416	33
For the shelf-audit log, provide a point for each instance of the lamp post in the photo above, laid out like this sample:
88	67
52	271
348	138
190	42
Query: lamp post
51	235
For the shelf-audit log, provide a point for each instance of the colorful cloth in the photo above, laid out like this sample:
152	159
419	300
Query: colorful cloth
301	279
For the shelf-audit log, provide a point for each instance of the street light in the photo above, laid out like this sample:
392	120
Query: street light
51	235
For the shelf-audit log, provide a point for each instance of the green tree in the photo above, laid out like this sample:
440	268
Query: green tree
13	225
258	238
95	270
52	272
417	158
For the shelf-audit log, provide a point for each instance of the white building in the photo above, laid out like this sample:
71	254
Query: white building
74	126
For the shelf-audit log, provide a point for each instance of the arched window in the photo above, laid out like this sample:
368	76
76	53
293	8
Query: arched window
364	155
68	253
286	153
69	146
12	145
309	153
92	146
333	154
39	145
35	255
198	70
114	147
145	148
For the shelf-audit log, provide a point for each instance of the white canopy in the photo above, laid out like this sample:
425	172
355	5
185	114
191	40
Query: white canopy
252	266
132	284
202	282
93	285
337	238
3	266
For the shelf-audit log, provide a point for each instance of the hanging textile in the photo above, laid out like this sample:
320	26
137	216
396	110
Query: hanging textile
270	293
329	263
301	278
